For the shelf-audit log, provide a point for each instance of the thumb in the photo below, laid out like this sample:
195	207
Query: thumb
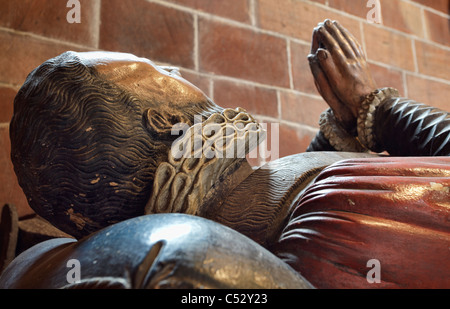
328	66
322	83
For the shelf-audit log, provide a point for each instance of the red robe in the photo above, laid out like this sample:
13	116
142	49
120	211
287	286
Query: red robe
395	211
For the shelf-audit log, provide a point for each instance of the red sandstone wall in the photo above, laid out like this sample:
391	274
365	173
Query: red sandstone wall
249	53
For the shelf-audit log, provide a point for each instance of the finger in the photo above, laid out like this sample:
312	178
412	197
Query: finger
331	45
357	48
315	67
323	85
342	113
340	39
315	41
329	66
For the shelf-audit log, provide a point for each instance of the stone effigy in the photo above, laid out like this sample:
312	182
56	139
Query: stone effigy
97	150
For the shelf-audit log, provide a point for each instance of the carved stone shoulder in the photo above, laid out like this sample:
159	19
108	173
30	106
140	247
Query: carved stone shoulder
259	206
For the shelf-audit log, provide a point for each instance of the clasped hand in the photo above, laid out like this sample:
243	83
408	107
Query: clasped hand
340	70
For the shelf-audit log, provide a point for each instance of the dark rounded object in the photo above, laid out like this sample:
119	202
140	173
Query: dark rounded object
154	251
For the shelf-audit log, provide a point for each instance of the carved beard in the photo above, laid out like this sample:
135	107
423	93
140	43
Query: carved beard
199	158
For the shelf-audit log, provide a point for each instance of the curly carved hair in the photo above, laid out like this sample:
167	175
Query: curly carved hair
80	148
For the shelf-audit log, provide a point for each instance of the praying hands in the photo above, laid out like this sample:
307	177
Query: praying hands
340	70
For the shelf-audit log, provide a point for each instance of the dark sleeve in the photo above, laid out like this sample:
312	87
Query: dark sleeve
404	127
320	143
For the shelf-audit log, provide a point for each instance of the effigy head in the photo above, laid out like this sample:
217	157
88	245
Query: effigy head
90	130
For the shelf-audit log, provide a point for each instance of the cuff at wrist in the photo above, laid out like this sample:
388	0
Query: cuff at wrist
340	139
366	116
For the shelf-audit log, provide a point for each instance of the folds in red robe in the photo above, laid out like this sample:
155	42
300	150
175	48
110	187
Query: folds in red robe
395	211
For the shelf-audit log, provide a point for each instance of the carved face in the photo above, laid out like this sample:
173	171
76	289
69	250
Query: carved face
91	133
183	180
